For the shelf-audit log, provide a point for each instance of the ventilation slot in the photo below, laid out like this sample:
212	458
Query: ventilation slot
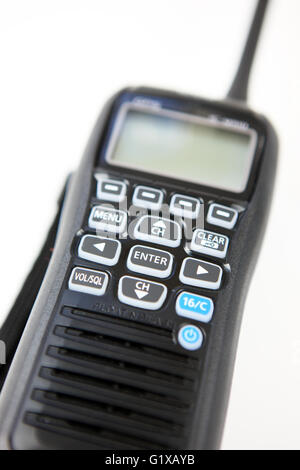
94	436
136	353
116	393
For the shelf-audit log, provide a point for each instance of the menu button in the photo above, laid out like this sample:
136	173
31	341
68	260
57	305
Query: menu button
107	219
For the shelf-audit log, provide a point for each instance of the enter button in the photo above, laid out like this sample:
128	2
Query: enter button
150	261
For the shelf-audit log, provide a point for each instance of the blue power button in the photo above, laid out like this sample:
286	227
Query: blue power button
190	337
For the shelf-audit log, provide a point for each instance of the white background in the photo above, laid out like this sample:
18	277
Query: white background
60	60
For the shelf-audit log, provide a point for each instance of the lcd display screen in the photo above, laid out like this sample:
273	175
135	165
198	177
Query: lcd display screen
183	146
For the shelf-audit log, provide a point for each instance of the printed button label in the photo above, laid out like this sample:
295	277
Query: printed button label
158	230
88	281
107	219
99	249
194	306
150	261
141	293
209	243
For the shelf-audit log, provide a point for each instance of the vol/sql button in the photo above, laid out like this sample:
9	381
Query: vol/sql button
88	281
190	337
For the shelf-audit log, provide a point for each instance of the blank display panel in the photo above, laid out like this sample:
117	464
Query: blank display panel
184	147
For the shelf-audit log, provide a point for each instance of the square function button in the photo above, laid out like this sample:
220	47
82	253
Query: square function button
88	281
109	189
200	273
194	306
209	243
141	293
185	206
149	198
150	261
108	219
99	249
222	215
158	230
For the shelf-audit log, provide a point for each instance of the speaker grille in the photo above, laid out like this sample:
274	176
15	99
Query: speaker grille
114	384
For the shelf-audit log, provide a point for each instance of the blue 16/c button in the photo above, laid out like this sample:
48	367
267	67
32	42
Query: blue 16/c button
195	306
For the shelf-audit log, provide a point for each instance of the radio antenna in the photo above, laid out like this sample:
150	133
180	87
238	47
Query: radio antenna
239	87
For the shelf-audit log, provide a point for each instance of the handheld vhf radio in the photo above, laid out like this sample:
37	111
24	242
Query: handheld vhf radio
131	340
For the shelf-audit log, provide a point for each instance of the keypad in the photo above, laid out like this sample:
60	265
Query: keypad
198	273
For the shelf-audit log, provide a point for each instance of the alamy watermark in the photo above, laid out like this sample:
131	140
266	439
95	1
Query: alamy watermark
122	222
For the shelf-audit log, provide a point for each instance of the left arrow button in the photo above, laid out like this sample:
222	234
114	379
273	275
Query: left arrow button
99	249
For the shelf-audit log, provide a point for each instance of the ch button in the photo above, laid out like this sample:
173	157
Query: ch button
141	293
158	230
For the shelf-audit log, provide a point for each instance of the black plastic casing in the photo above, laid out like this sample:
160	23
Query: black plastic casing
180	399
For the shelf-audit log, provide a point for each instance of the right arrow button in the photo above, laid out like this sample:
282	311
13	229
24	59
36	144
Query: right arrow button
201	270
200	273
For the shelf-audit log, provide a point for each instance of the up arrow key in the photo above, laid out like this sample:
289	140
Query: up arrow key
159	224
